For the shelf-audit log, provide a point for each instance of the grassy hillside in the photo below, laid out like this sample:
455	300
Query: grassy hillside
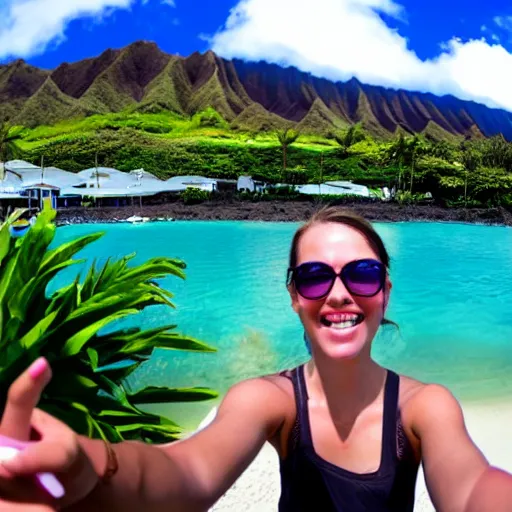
167	144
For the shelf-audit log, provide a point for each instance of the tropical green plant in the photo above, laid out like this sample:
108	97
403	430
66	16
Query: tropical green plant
205	144
489	185
9	149
192	195
471	160
415	147
75	328
352	135
286	138
398	153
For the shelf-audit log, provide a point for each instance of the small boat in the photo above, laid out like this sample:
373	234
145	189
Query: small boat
135	219
19	228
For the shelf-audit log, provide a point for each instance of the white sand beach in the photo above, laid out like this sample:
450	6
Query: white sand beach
257	490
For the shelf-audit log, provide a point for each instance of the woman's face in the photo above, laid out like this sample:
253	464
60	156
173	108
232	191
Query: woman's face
325	319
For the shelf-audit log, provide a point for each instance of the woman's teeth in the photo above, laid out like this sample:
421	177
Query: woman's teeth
343	325
341	321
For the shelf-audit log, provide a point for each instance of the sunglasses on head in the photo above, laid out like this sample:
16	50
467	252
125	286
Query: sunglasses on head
314	280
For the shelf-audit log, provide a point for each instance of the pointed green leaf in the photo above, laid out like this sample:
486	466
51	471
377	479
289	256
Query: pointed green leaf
74	344
93	357
5	241
37	331
66	251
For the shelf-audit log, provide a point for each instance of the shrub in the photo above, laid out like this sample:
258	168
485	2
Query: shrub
195	195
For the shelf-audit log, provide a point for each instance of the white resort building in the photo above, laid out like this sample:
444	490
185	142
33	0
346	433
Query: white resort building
25	184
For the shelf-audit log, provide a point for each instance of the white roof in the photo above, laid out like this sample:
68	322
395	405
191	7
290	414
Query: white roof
144	175
115	183
339	189
11	183
146	189
50	176
107	177
14	165
192	180
348	185
112	182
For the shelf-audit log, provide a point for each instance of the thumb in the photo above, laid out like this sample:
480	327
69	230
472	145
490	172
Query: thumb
22	397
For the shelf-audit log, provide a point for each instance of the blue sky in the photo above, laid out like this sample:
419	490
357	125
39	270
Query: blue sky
442	46
180	28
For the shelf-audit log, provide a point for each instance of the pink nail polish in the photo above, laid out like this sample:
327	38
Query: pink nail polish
37	368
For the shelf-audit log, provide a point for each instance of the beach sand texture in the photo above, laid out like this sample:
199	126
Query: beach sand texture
257	490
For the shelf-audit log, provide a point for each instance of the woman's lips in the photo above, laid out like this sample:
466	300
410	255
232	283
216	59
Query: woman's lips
341	320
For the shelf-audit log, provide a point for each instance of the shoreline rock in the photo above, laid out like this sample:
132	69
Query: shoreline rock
281	211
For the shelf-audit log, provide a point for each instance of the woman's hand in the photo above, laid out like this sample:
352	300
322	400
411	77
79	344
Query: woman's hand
57	450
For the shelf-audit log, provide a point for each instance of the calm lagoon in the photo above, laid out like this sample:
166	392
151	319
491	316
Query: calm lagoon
452	298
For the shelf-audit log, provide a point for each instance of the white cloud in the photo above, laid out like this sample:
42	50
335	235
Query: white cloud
28	26
170	3
339	39
504	22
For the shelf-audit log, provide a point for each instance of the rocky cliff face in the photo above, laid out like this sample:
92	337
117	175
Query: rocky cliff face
256	96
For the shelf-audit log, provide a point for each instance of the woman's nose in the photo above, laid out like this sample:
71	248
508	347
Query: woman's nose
339	293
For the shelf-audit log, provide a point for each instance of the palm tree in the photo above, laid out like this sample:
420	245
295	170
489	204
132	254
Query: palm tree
75	329
415	146
9	148
398	153
352	135
286	138
471	160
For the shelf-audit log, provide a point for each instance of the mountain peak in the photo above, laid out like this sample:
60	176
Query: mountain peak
143	76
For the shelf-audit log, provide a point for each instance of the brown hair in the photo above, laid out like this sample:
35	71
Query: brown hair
335	214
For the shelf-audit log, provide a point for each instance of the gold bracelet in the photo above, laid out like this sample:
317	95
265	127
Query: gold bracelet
112	463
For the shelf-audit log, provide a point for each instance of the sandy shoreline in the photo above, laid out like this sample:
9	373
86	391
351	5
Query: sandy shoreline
281	211
257	490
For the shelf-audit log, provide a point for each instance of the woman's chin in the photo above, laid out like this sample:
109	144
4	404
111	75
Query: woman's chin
342	343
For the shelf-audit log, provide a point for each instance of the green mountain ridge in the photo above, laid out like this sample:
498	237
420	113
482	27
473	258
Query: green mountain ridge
142	78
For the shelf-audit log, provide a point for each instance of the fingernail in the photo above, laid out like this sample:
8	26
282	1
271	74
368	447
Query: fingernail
51	484
8	454
37	368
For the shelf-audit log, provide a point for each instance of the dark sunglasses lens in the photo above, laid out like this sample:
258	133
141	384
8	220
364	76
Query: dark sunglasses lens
313	280
364	278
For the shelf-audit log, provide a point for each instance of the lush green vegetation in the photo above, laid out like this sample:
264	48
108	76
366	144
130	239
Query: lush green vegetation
9	148
455	172
76	329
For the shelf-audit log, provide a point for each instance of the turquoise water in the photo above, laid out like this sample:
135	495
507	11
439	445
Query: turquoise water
452	297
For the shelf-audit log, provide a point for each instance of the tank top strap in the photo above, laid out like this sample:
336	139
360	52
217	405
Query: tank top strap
389	429
301	403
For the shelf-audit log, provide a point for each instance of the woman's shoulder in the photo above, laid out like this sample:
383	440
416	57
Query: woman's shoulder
276	386
422	403
417	394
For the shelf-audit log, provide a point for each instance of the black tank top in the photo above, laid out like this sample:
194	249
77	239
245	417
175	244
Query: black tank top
309	483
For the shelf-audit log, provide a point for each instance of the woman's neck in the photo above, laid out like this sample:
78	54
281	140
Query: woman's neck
346	386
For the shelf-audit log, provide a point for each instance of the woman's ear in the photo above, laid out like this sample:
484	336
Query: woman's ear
294	297
387	292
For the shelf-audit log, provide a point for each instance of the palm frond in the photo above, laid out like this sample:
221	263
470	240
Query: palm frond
88	391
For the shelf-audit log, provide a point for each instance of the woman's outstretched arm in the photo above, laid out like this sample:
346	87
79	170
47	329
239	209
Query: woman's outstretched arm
458	476
191	475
